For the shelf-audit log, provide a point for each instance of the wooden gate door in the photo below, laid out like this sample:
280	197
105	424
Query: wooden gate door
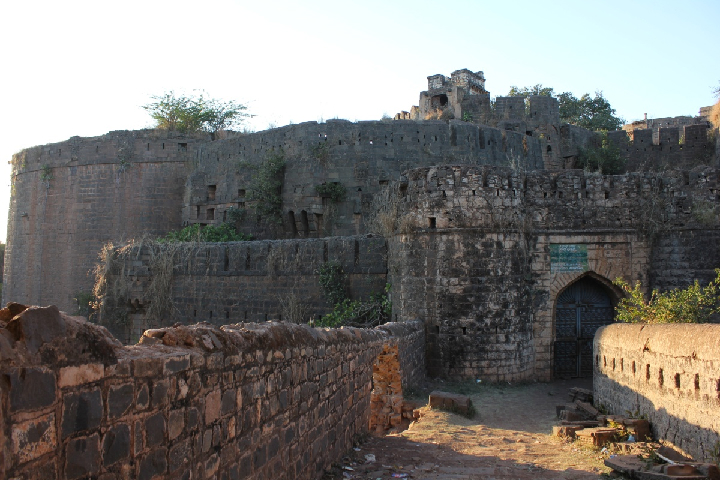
581	309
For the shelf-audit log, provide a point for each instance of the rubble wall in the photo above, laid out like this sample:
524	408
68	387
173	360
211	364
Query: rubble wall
70	198
473	255
669	373
266	401
253	281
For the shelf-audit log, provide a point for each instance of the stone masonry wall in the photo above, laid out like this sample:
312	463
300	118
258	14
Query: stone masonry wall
70	198
472	256
255	281
363	157
670	373
262	401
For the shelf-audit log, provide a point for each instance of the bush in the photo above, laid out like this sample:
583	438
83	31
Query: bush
210	233
695	304
356	313
336	192
607	159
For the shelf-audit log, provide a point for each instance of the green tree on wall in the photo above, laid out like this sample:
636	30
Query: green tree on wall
591	112
191	114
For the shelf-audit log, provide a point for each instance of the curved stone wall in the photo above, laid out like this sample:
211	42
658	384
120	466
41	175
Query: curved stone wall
70	198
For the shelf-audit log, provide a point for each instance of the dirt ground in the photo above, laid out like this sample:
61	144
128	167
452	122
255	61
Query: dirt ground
509	438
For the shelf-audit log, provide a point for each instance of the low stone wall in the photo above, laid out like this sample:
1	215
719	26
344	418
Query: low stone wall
270	400
670	373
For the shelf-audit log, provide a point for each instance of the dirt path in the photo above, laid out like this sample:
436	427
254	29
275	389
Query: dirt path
509	438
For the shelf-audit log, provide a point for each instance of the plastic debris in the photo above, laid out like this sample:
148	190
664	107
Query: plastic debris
369	458
400	475
356	449
631	439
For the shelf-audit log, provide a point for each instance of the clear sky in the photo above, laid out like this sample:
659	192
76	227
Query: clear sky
86	67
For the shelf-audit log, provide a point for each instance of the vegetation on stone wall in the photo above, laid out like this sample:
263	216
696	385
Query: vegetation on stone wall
335	191
346	312
191	114
321	151
266	186
225	232
46	174
606	159
694	304
591	112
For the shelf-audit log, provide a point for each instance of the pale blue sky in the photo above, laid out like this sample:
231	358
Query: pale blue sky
85	68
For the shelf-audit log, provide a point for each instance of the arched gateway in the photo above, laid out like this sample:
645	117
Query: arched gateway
583	307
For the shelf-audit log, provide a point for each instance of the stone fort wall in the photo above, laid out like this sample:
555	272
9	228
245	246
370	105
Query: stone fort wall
668	373
267	401
70	198
474	256
257	281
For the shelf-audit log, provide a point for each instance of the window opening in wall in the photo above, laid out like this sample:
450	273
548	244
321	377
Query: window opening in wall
497	192
647	372
613	364
227	314
241	192
305	223
210	214
293	226
633	367
661	378
473	193
444	194
224	215
197	212
148	146
210	313
437	329
356	259
325	252
383	182
677	380
319	224
432	223
194	313
247	260
464	330
622	364
607	194
245	315
226	261
697	381
528	133
163	146
549	149
182	146
211	192
266	317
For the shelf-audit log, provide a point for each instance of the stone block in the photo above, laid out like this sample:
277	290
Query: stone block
34	438
36	326
81	374
176	423
81	411
160	394
450	401
120	398
212	406
155	429
82	457
116	444
31	388
152	464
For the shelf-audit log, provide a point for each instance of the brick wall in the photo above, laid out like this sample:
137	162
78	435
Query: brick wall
272	400
670	373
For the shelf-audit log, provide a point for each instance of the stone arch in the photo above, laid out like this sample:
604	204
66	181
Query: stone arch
583	305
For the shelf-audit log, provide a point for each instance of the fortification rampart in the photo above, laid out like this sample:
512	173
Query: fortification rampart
223	283
70	198
478	256
361	157
670	374
241	401
669	147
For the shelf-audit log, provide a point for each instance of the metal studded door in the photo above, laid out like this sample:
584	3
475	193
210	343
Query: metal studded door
581	309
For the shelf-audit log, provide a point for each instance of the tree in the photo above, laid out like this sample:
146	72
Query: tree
593	113
528	91
606	159
190	114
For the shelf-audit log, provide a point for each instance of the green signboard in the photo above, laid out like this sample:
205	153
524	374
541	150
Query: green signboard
568	257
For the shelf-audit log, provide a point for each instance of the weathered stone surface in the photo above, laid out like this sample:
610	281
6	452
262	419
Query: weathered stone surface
116	444
34	438
31	388
83	457
154	463
37	325
81	411
78	375
155	429
120	398
450	401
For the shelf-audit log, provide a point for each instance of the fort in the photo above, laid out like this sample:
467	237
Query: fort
499	255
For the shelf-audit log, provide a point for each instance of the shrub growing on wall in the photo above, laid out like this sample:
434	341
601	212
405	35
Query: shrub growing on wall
694	304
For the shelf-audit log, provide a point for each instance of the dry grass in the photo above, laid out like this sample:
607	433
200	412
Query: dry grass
440	114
